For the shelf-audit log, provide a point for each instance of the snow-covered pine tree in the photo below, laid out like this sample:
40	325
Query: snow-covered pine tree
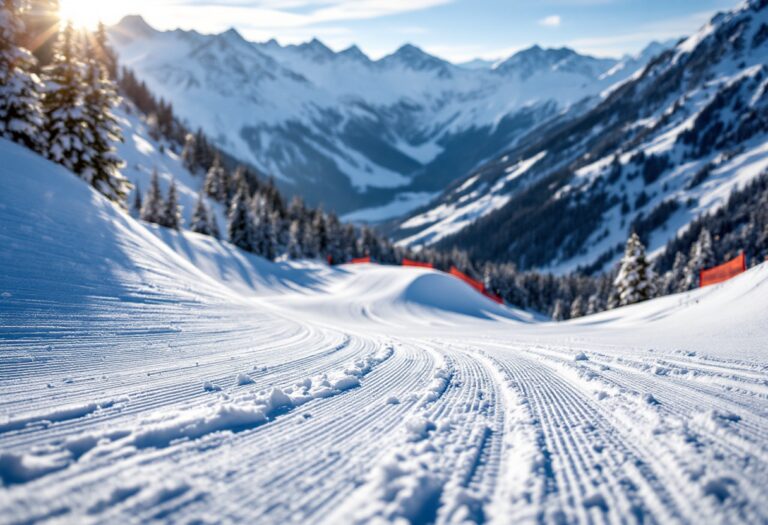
102	167
366	243
65	127
335	240
263	233
635	282
154	206
675	279
216	183
104	53
137	204
308	239
320	234
577	307
172	212
295	236
350	241
200	221
279	233
188	154
21	114
593	305
239	222
558	311
214	224
702	256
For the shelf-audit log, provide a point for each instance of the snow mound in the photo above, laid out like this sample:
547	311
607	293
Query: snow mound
397	296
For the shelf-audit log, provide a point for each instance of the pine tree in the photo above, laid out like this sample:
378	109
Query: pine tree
558	311
172	212
335	240
216	183
320	234
21	116
634	283
154	206
239	223
204	156
200	221
104	53
675	279
280	233
577	307
295	236
214	224
137	204
263	233
702	256
65	127
593	305
102	169
188	154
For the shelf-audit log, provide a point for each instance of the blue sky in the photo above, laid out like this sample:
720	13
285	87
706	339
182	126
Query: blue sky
454	29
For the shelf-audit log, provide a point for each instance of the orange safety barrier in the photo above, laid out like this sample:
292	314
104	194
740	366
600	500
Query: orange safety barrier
477	285
725	271
417	264
361	260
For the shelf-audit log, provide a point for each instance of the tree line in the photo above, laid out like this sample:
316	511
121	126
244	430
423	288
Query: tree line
62	110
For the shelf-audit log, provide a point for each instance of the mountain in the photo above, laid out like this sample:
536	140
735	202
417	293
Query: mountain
370	139
658	150
477	63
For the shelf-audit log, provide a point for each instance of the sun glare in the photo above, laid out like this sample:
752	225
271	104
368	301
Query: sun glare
88	13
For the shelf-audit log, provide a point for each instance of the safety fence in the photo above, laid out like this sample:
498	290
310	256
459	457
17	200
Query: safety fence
722	273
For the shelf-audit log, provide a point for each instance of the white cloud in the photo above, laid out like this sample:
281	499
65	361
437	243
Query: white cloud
550	21
273	14
617	45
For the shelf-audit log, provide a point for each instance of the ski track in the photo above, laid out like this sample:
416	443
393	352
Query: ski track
438	429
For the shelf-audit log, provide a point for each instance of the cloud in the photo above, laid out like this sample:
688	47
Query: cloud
550	21
256	18
617	45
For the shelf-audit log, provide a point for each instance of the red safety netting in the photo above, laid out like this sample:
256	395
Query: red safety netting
725	271
477	285
417	264
361	260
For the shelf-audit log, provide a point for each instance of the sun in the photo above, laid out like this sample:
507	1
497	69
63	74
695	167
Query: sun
88	13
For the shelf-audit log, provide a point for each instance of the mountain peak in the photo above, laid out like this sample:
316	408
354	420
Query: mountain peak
232	32
134	26
316	49
355	53
536	59
413	57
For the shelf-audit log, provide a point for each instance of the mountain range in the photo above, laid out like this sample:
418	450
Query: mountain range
369	139
659	149
546	160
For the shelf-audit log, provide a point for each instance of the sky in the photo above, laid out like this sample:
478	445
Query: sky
457	30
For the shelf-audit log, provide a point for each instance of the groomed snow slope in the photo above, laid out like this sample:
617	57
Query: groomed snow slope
148	376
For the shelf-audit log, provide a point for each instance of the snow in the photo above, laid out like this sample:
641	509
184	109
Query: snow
351	394
447	219
412	101
404	203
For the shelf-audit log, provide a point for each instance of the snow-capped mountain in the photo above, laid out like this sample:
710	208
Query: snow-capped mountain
660	149
369	139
